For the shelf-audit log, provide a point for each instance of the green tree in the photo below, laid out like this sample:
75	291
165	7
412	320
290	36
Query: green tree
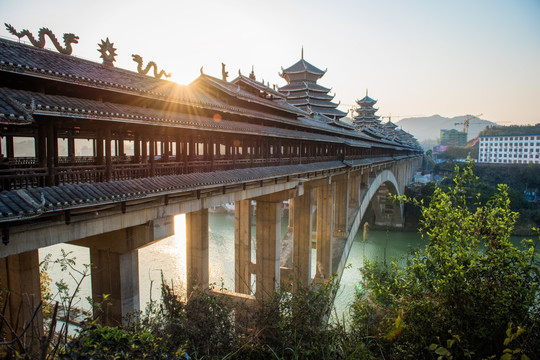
467	284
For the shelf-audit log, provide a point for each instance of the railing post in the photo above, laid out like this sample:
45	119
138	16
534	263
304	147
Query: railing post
52	154
108	154
152	154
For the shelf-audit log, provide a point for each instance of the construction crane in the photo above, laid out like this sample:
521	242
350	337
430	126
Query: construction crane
465	122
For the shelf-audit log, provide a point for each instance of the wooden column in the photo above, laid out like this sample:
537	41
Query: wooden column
325	230
268	248
211	154
197	250
121	150
302	239
52	154
137	148
178	148
99	147
233	154
19	275
41	146
166	152
71	146
108	154
152	153
242	246
10	153
185	158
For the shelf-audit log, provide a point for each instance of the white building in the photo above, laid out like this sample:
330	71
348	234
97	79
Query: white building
509	149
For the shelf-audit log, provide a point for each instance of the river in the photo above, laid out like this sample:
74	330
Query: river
167	258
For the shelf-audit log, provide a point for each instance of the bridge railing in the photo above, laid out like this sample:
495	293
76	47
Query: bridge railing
20	178
168	168
23	172
130	171
79	174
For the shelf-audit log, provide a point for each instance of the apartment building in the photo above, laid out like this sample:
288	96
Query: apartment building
509	149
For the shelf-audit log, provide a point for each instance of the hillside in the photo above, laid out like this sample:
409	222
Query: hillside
428	128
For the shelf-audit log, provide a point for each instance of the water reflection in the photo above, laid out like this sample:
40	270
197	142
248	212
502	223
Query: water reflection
167	258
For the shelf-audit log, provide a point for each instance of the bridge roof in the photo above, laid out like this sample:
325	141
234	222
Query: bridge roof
63	106
241	79
206	92
48	65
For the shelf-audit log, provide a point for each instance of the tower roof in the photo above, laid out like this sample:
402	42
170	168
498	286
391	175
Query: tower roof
302	66
366	100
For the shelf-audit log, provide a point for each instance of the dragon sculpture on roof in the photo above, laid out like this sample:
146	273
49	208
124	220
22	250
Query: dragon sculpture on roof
40	43
139	60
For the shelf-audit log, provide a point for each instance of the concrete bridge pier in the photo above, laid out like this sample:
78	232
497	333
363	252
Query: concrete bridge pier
242	246
115	267
341	205
302	231
268	235
354	189
325	230
19	275
197	254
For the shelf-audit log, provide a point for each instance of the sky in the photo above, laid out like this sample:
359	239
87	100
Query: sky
416	57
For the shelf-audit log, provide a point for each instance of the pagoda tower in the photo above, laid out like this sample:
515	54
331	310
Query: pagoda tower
303	91
366	117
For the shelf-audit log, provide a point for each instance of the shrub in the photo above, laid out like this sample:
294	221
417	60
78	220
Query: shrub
468	281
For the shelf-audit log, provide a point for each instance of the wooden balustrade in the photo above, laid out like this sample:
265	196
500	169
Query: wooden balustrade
168	168
130	171
79	174
20	178
21	162
22	172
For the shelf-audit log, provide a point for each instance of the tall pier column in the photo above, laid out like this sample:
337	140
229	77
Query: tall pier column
341	205
197	255
302	239
115	267
242	246
354	189
19	275
325	230
364	183
268	248
115	284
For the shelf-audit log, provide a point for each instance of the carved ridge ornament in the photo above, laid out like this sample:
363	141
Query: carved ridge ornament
139	60
224	74
108	52
40	43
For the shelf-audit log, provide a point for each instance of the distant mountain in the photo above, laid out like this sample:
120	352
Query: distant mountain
429	128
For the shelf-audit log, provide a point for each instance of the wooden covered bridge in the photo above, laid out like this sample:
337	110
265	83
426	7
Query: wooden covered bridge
103	157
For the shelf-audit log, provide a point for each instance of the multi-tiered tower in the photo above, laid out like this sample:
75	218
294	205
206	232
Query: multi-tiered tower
303	91
366	118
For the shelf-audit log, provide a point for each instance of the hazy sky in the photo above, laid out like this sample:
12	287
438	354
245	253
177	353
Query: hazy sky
416	57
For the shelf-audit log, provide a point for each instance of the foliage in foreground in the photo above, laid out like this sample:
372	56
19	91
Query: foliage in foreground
285	326
470	294
462	293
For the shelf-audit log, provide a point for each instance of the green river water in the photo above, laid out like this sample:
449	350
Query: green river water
167	257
